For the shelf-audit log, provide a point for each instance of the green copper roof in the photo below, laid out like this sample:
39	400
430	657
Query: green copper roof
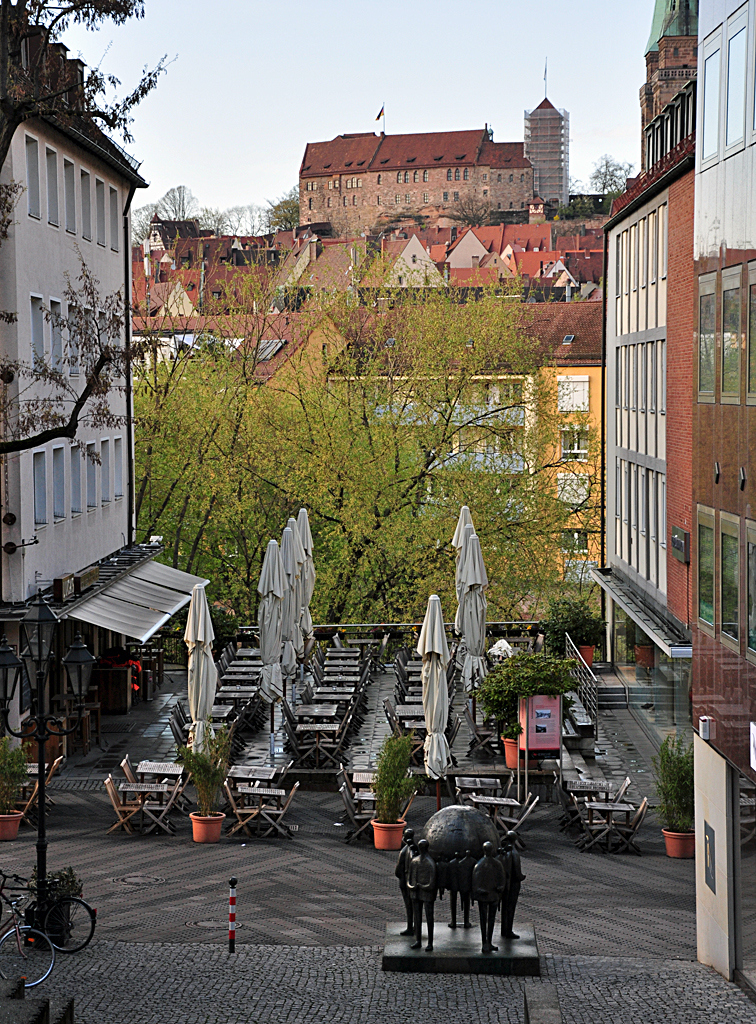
673	18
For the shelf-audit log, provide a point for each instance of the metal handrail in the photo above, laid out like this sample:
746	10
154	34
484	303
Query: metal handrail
587	683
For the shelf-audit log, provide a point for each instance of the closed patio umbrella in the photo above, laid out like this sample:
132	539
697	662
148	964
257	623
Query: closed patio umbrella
290	631
474	582
458	540
300	559
203	675
467	533
434	651
271	589
308	573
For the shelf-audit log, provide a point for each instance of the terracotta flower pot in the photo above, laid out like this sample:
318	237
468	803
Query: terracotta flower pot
388	837
586	653
206	828
9	825
510	753
680	844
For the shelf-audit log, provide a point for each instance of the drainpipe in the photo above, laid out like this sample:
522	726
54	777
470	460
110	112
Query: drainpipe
129	395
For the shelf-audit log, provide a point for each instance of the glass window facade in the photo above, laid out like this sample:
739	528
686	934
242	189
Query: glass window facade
707	343
706	573
658	687
730	342
730	573
751	588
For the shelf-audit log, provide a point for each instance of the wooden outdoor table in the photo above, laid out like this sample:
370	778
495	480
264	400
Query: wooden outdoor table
607	810
252	771
143	790
588	786
320	730
261	791
346	690
32	768
221	712
409	711
235	694
316	710
159	768
363	778
248	652
412	699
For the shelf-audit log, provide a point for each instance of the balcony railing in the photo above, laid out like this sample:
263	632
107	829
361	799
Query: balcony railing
587	683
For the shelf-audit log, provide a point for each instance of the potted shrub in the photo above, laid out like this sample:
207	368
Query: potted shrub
576	616
674	785
392	786
12	776
209	768
524	675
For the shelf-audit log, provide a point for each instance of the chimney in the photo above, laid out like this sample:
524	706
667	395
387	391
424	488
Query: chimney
313	250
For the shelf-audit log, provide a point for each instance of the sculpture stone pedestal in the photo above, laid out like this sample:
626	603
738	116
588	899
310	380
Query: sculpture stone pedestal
457	951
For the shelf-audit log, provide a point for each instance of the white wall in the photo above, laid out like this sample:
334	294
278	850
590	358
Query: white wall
715	925
34	261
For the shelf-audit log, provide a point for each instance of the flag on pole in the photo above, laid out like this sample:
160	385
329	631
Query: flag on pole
380	112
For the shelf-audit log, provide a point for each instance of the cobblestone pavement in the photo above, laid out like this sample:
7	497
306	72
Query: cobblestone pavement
126	983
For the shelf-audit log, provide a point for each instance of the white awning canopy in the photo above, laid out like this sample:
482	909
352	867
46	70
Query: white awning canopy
141	602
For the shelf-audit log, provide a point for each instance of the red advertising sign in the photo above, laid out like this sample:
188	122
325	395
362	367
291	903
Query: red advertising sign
540	717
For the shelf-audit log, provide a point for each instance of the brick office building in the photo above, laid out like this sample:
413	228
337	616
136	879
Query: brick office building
649	511
724	490
365	181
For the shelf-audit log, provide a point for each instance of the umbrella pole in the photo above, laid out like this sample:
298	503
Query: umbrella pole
272	734
438	794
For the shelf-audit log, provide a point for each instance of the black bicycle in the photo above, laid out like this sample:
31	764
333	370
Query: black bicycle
69	922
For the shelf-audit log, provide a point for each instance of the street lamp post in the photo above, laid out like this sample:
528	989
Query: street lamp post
38	630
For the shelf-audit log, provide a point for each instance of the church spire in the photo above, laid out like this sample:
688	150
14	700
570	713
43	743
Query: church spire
673	18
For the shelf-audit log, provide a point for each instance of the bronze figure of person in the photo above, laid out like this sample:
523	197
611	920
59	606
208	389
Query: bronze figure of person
515	878
488	885
422	884
402	865
465	867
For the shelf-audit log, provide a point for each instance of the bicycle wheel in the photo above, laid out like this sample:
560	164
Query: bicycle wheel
70	924
28	954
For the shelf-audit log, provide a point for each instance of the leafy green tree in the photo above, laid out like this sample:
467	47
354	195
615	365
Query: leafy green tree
283	214
609	176
382	425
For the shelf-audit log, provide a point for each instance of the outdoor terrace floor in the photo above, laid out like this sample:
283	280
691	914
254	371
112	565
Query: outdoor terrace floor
616	933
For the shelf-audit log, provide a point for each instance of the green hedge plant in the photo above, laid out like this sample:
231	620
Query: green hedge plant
392	785
674	784
576	616
12	774
524	675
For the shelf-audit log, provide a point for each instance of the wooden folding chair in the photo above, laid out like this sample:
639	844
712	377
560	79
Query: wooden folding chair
128	769
244	812
626	833
28	805
274	815
617	797
158	812
125	809
359	820
480	739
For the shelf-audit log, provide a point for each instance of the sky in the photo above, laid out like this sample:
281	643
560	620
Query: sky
252	81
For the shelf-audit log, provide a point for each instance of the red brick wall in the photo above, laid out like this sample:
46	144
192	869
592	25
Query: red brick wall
681	305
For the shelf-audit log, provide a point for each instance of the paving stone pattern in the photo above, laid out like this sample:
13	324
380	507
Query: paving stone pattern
126	983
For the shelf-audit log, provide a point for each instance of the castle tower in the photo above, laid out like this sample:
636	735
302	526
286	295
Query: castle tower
671	58
547	146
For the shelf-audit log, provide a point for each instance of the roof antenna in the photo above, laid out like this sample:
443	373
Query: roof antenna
546	78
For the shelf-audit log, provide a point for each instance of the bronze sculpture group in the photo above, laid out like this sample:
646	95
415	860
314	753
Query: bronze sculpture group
492	881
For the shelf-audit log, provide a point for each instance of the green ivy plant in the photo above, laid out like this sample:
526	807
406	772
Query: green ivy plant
674	784
12	774
209	767
524	675
576	616
392	785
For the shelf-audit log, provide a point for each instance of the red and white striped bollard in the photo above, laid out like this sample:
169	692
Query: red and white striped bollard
232	916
